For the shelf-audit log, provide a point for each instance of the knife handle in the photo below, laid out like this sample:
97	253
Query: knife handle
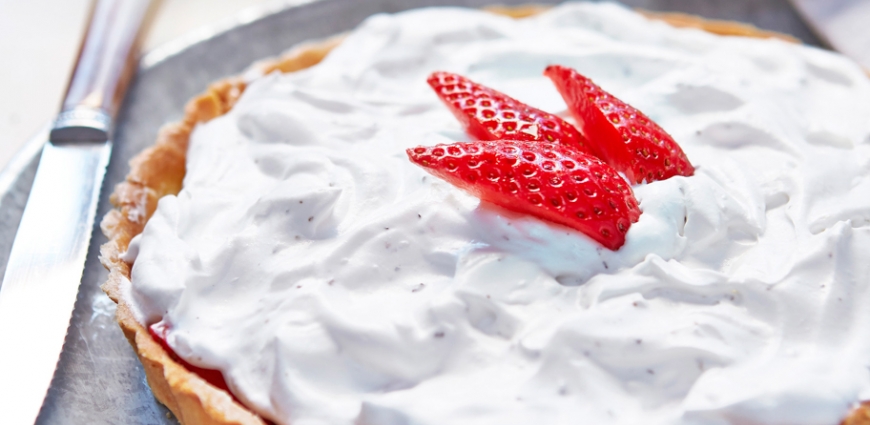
103	69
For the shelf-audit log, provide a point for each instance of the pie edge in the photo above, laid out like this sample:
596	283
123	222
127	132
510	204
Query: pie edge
159	170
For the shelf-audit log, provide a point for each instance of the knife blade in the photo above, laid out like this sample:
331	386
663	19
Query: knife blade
45	265
841	24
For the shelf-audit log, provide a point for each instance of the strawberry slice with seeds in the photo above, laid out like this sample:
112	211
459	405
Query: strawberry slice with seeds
546	180
487	114
625	137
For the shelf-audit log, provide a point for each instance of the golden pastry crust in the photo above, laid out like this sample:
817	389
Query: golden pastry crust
159	171
682	20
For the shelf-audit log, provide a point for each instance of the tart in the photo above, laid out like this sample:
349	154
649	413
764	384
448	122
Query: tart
159	171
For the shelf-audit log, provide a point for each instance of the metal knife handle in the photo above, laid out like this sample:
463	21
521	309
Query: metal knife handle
102	71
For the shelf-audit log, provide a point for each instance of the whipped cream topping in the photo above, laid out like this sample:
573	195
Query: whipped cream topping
333	282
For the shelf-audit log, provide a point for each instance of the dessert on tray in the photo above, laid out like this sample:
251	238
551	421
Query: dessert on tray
282	254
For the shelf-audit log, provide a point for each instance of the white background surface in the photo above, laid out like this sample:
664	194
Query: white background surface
38	43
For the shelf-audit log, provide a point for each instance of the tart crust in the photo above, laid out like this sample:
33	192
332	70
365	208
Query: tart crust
159	171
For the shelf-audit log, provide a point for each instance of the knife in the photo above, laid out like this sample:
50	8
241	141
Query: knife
841	24
45	266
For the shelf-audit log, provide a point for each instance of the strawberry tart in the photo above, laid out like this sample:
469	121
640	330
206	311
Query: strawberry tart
586	216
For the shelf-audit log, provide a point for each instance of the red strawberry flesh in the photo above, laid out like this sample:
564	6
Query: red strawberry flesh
546	180
623	136
487	114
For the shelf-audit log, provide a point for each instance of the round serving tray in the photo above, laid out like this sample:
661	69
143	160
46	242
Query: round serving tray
99	380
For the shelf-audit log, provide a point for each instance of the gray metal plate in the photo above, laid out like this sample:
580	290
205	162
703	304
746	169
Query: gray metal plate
99	379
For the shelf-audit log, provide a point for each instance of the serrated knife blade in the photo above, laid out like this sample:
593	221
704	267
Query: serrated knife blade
45	265
43	273
843	25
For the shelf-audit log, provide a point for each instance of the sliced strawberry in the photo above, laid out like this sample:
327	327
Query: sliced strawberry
625	137
159	330
490	115
547	180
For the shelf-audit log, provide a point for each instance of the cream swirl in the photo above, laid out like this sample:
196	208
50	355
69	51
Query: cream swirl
333	282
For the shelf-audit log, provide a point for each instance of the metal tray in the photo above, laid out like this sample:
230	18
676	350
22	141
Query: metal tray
99	379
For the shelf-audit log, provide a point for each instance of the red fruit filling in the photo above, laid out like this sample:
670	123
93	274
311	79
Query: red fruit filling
214	377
